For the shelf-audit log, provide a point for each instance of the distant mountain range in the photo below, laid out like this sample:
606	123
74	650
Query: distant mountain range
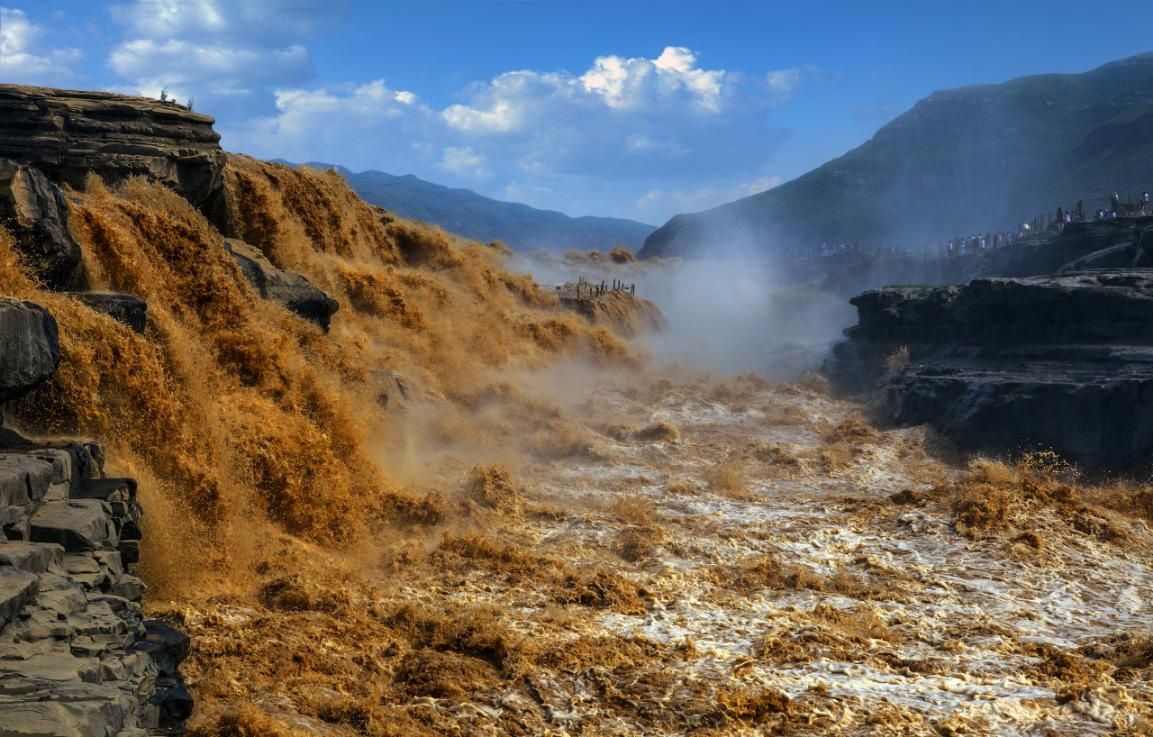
480	218
971	159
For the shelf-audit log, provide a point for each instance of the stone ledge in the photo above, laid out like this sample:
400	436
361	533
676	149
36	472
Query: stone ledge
77	656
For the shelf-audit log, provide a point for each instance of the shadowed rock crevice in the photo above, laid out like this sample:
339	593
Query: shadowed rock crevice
124	308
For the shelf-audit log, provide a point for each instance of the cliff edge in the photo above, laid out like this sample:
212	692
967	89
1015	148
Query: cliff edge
69	134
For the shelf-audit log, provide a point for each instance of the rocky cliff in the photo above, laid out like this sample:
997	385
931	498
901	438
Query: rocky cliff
1102	244
70	134
77	655
1061	362
51	138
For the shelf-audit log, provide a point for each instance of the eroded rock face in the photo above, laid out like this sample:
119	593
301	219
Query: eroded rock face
29	347
1062	362
292	290
68	134
34	210
77	656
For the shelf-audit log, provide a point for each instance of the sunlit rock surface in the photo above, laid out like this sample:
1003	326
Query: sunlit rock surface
69	134
77	656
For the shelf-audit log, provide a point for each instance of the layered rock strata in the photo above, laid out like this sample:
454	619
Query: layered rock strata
1061	362
1098	244
77	656
51	138
70	134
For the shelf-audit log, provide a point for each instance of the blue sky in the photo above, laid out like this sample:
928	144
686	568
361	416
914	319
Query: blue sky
633	109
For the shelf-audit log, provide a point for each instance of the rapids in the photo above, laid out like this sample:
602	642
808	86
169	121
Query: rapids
466	511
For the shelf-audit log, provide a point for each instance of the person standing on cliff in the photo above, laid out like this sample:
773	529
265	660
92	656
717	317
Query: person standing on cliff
1114	203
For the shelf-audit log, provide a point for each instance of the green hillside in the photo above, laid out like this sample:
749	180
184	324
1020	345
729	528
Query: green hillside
971	159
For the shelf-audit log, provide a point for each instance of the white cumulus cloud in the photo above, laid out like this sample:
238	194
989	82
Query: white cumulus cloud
230	54
22	58
630	83
588	142
501	117
672	83
186	67
365	125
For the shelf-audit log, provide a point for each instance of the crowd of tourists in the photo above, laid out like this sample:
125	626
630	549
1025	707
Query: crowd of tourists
980	242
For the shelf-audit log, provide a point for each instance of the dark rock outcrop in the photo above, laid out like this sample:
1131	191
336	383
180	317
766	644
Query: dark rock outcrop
70	134
1062	362
1121	256
34	210
29	347
292	290
1077	247
77	656
125	308
847	274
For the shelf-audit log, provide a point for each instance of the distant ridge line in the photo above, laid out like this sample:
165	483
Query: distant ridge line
474	216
